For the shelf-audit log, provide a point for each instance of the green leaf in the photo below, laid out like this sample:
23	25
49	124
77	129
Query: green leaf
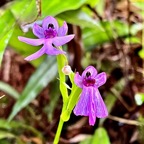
29	12
7	22
111	30
54	97
141	53
6	29
55	7
9	90
79	17
92	3
139	98
5	134
9	140
100	137
132	40
19	7
4	41
97	36
25	11
100	7
110	101
40	79
138	3
15	125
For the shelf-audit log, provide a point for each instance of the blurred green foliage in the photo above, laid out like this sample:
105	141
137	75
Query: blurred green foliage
100	137
139	98
21	13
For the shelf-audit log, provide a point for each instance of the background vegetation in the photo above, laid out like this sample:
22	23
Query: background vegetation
109	34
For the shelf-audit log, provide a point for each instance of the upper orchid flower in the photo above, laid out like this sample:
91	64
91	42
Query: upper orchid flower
90	102
50	36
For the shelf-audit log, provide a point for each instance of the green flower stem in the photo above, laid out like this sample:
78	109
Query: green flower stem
59	129
66	111
68	101
61	62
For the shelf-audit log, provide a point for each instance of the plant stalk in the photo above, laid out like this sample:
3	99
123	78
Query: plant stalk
59	129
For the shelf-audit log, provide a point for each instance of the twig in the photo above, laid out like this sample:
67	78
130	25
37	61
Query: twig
125	121
116	93
2	96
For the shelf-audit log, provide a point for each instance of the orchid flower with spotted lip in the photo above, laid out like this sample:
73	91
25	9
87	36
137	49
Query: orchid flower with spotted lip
49	35
90	102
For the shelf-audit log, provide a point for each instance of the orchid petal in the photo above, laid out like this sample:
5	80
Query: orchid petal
101	110
34	42
63	30
78	80
92	111
59	41
38	31
50	50
36	54
100	79
82	107
90	69
50	20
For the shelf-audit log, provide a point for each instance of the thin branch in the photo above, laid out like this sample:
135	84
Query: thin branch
125	121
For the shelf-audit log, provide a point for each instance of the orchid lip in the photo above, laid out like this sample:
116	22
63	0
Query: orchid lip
50	33
89	82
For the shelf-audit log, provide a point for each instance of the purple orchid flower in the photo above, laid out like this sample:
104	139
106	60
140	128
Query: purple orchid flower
50	36
90	102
